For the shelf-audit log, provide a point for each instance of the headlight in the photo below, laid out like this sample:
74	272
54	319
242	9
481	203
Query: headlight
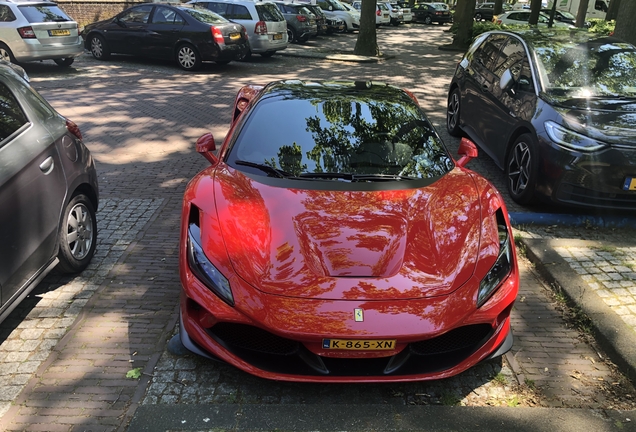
502	267
571	139
204	269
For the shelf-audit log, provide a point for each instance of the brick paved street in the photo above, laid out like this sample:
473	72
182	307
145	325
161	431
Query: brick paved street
65	352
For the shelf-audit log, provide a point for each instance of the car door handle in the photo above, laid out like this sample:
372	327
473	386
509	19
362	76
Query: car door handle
47	166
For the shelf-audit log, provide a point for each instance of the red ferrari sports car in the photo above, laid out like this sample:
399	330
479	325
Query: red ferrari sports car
334	239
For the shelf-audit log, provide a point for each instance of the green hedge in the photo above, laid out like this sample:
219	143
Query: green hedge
597	26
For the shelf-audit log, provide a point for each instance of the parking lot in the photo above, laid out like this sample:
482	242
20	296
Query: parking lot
65	351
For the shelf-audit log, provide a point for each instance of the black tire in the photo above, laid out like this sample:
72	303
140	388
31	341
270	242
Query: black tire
99	48
428	20
395	22
522	166
6	54
77	235
291	35
246	57
478	16
453	113
268	54
64	62
188	57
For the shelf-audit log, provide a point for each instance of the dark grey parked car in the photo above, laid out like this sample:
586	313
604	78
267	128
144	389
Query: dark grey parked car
301	23
48	191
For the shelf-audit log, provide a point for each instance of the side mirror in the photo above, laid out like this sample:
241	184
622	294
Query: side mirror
467	151
206	146
506	81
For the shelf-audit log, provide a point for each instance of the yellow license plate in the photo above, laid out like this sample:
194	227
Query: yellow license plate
59	32
630	184
235	36
278	36
360	345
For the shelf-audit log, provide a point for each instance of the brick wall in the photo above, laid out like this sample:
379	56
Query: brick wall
87	11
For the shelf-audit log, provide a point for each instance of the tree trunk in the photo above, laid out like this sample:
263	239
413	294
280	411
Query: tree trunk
552	12
535	8
612	10
498	7
625	28
367	42
464	13
581	14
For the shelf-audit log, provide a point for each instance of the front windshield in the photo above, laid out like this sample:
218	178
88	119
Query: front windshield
600	68
337	129
336	5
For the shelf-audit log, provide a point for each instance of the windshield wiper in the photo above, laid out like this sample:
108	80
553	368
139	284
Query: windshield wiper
327	175
380	177
266	168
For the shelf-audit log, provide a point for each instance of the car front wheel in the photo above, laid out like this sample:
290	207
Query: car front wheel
477	17
98	48
77	235
188	57
453	114
521	169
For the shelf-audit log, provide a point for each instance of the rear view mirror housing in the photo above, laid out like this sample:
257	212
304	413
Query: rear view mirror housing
467	150
206	147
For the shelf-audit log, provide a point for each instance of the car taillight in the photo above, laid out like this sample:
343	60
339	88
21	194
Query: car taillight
499	21
438	13
74	129
378	12
261	28
26	32
217	35
301	18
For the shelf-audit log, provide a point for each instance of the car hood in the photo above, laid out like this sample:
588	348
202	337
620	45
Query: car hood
354	245
609	120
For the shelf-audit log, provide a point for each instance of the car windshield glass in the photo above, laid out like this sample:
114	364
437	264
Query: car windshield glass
604	67
43	13
335	5
269	12
335	128
567	15
205	16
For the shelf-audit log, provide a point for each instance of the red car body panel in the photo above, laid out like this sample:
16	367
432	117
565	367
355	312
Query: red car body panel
300	261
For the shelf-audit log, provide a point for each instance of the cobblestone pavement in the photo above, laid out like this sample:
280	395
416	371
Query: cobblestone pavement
66	350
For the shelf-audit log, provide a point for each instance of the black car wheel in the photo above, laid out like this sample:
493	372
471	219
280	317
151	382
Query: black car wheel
188	57
98	47
6	54
428	20
477	16
291	35
395	22
521	169
453	114
64	62
77	236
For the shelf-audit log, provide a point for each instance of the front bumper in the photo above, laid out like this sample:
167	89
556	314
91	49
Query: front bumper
281	338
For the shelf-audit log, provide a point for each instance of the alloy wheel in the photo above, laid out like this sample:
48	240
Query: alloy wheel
97	48
4	55
452	114
519	168
187	57
79	227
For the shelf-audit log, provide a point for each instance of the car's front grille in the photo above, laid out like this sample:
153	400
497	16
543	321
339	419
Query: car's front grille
277	354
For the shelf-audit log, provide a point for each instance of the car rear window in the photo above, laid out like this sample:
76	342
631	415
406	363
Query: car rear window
269	12
43	13
375	133
205	16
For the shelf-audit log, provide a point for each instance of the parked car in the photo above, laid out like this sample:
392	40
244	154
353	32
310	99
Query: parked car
321	18
563	16
428	13
521	17
333	238
547	107
485	11
265	26
382	15
335	25
48	191
37	30
405	10
396	14
183	33
336	9
301	23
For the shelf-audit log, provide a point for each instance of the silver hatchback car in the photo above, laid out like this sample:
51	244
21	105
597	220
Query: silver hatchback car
37	30
48	191
266	26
